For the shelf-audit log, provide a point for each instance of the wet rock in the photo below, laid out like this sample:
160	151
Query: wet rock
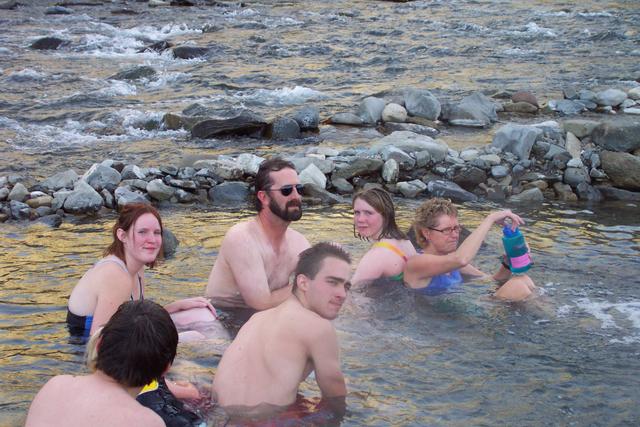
245	123
322	195
181	3
390	171
564	192
617	136
342	186
573	145
610	97
476	110
520	107
169	243
516	139
527	97
422	103
411	127
587	95
132	172
634	93
469	177
42	201
346	119
124	196
612	193
285	128
249	163
53	220
588	192
566	107
622	168
634	111
83	200
47	43
159	190
9	5
189	52
404	160
576	175
370	109
100	176
19	210
326	166
360	167
580	127
136	73
307	118
312	175
157	47
60	180
533	195
450	190
394	113
411	189
410	142
19	192
229	193
4	194
58	10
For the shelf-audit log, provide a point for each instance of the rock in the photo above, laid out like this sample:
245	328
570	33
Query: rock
520	107
58	10
346	119
60	180
450	190
135	184
622	168
527	97
249	163
362	166
370	109
410	142
580	127
9	5
169	243
499	171
342	186
573	145
404	160
610	97
575	162
612	193
411	127
285	128
564	192
159	190
390	171
634	111
53	221
186	173
312	175
469	177
41	201
108	198
18	193
124	196
634	93
183	196
307	118
100	176
4	194
412	188
569	92
540	184
516	139
422	103
475	110
491	159
326	166
566	107
533	195
136	73
185	184
394	113
617	136
245	123
229	193
19	210
574	176
132	172
84	199
589	193
597	174
189	52
311	190
48	43
471	154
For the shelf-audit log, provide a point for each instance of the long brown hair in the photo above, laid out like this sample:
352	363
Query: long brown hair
381	201
127	218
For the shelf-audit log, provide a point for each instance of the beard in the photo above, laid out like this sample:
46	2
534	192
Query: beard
286	214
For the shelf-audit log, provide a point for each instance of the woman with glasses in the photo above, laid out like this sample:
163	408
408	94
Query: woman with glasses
374	219
442	265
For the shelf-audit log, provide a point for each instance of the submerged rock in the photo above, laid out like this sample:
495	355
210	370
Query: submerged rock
245	123
47	43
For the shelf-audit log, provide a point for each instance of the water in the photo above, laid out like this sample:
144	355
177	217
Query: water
567	358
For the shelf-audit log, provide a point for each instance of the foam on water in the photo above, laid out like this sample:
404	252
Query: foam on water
624	316
163	80
26	75
116	88
283	96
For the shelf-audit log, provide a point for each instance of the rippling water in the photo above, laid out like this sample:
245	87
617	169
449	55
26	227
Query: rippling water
567	358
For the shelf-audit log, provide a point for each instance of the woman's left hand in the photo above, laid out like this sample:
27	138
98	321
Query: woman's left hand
188	303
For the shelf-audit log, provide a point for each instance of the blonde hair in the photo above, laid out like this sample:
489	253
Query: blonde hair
91	356
427	215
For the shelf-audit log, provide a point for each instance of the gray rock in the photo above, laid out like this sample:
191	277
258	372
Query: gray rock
423	158
58	10
285	128
169	243
475	110
83	200
411	142
610	97
412	127
132	172
61	180
326	166
575	176
312	175
135	184
617	136
189	52
404	160
183	183
524	96
499	171
580	127
612	193
516	139
183	196
597	174
43	211
533	195
469	177
342	186
230	193
390	171
566	107
48	43
394	113
575	163
360	167
249	163
622	168
225	169
19	210
347	119
308	118
422	103
42	201
564	192
569	92
53	220
322	195
4	194
470	155
100	176
135	73
124	196
634	93
588	192
109	200
450	190
18	193
490	159
520	107
186	173
159	191
370	109
412	188
58	199
245	123
587	95
169	170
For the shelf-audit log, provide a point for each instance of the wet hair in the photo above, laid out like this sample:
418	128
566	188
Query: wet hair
381	201
136	345
427	216
263	177
310	260
129	214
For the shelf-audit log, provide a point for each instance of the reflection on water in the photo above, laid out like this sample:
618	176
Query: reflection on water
460	360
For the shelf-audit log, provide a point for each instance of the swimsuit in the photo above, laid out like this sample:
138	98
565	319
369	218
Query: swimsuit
393	248
442	283
81	325
157	397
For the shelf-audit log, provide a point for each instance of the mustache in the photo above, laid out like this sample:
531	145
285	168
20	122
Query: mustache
296	203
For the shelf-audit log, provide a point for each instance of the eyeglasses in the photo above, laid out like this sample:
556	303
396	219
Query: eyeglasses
286	190
448	231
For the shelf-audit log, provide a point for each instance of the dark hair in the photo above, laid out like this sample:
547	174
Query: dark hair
310	260
137	344
381	201
263	177
427	216
129	214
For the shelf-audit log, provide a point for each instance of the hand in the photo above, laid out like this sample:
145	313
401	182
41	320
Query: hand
188	303
499	218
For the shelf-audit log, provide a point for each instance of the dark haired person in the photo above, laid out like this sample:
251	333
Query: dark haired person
136	346
278	348
119	276
257	257
374	218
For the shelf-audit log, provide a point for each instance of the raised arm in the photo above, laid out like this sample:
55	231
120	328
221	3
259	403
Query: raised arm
429	265
326	361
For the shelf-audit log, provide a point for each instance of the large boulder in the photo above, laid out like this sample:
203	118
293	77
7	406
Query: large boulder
284	128
475	110
125	195
516	139
48	43
469	177
610	97
100	176
307	117
412	188
83	200
580	127
532	195
362	166
189	52
159	190
245	123
61	180
450	190
622	168
169	243
411	142
422	103
312	175
230	193
370	109
618	135
612	193
135	73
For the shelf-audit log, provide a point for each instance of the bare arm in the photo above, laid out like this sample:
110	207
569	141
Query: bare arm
189	303
424	266
326	361
114	288
370	267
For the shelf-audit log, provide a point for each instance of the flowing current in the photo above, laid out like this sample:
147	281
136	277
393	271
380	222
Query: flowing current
567	358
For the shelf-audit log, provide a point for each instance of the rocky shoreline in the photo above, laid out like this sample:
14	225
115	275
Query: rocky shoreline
570	159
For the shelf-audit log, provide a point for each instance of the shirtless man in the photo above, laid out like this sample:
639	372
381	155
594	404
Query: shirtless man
278	348
258	256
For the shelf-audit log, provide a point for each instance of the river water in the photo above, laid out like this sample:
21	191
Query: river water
570	357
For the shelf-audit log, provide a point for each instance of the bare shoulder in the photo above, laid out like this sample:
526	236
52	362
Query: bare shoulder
237	232
59	383
311	326
297	240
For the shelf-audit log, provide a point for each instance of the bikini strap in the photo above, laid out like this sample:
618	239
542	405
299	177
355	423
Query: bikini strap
115	260
140	285
392	248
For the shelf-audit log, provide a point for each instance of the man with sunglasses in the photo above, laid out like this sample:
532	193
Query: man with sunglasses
257	257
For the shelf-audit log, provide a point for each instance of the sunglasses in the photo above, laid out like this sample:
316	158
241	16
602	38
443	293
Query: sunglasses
286	190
